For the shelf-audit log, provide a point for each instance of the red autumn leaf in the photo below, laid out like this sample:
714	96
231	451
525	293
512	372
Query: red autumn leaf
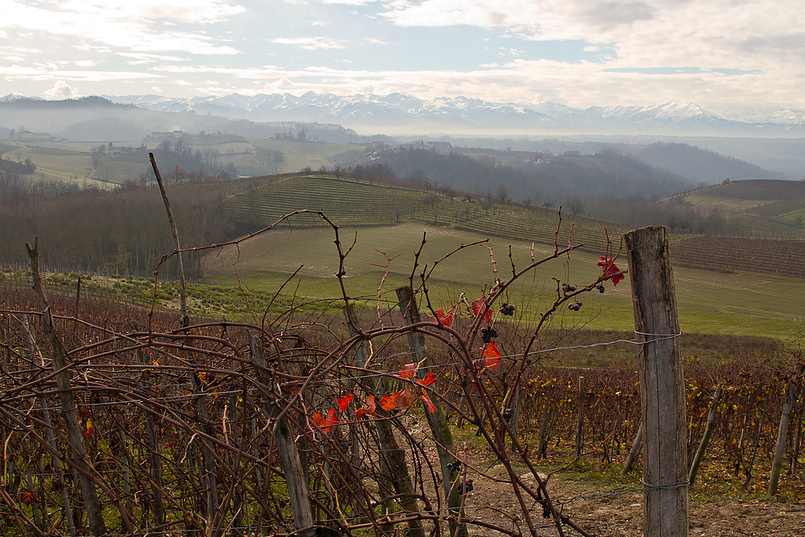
478	306
29	496
429	379
408	371
332	420
343	403
370	408
611	271
325	423
444	318
428	403
404	399
317	419
371	404
491	356
387	402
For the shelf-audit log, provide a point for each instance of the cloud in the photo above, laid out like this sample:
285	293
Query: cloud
454	12
143	25
608	14
333	2
712	52
374	41
309	43
50	72
524	81
714	33
61	90
185	11
141	58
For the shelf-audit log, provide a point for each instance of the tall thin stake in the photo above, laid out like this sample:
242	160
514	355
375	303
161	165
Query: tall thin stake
662	384
182	292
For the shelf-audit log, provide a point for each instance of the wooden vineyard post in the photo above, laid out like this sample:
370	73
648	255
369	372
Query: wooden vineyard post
662	384
543	428
797	441
69	409
298	492
708	432
782	432
635	449
393	457
580	417
437	420
58	470
156	462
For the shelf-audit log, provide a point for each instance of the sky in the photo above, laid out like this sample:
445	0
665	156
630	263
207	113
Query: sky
727	56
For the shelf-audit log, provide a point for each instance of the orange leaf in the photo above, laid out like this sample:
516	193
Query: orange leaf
371	404
491	356
343	403
325	423
428	403
429	379
478	306
610	270
408	371
387	402
360	412
444	318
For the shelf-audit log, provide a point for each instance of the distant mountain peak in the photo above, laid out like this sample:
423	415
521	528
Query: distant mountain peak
18	97
398	113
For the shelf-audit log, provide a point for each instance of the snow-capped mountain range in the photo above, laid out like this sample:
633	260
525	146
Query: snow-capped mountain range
404	113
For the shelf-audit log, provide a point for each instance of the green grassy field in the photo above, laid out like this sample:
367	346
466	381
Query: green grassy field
708	302
755	207
70	161
359	203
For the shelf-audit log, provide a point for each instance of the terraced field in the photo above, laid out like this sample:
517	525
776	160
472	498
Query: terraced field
353	203
783	257
756	207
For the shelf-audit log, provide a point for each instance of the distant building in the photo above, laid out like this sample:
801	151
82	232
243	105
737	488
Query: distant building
34	136
440	147
166	134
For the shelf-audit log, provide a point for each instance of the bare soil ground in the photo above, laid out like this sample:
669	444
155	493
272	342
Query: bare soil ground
620	513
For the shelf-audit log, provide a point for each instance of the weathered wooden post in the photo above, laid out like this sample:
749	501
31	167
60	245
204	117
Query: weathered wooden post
58	471
156	461
580	399
69	408
782	432
392	456
436	420
295	479
543	428
708	432
637	444
662	384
